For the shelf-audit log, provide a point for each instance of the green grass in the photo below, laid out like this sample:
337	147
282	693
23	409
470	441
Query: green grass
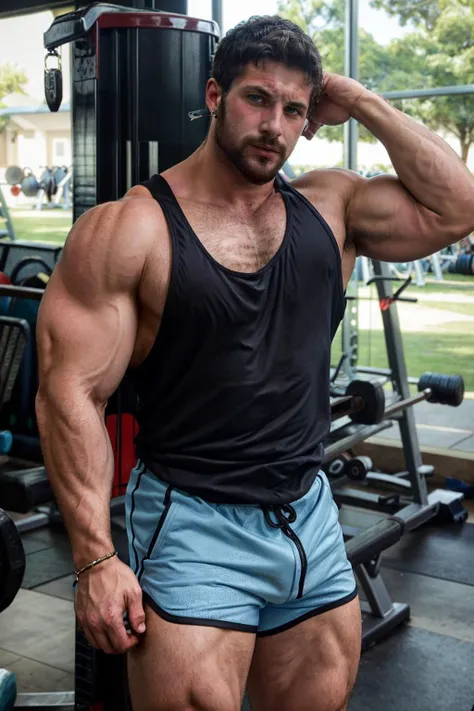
45	226
443	347
458	308
462	285
450	353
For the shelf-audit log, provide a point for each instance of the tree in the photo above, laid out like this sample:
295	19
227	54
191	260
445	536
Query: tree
411	11
438	51
444	42
324	21
12	79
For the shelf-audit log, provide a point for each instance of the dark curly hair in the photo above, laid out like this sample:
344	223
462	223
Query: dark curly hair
267	37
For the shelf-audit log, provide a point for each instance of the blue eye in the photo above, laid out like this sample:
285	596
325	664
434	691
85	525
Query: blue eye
293	111
255	98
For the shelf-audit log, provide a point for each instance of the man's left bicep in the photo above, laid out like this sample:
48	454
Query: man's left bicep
386	222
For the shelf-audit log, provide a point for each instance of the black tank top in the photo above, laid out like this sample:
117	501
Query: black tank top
233	398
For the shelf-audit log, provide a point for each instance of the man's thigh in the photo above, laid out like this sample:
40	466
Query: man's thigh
310	667
188	667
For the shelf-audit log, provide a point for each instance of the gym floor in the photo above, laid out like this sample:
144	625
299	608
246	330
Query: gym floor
427	665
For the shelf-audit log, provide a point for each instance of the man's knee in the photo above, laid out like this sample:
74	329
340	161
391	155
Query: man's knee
210	695
319	692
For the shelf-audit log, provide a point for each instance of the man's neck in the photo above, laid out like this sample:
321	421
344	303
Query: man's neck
209	176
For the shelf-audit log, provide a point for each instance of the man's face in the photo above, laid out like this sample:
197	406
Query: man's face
261	118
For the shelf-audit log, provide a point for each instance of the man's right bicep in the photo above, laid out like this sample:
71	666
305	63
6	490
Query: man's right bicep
85	345
87	319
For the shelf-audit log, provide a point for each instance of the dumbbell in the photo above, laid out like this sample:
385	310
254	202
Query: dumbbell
354	468
464	264
364	401
357	468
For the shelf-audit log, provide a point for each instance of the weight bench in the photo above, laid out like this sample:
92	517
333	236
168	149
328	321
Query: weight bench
20	490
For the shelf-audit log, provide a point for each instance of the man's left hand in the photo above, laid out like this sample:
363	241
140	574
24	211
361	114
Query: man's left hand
338	98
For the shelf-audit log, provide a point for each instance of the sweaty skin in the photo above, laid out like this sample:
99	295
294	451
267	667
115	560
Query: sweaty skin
102	311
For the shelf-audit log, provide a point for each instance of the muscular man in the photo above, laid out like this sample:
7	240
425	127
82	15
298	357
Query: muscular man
220	286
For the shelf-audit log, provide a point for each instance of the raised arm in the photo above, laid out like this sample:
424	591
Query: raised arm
426	206
86	332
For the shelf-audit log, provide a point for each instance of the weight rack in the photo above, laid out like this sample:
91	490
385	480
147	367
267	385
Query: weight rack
414	485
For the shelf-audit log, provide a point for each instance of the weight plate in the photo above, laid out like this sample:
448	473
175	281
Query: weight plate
14	175
12	561
372	401
445	389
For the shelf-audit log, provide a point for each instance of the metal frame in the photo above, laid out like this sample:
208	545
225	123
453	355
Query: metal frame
12	8
426	93
380	614
5	215
217	14
399	377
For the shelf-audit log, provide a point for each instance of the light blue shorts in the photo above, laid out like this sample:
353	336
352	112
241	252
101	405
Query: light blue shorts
240	567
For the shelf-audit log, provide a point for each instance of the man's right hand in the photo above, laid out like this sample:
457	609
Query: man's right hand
103	594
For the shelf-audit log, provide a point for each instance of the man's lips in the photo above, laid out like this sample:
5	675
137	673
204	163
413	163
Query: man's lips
266	149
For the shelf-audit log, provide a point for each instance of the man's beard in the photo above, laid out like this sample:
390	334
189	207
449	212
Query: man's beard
258	171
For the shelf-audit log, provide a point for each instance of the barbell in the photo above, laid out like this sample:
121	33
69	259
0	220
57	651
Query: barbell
364	401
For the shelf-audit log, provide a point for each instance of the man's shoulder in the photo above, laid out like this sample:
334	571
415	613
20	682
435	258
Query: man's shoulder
341	180
329	190
115	237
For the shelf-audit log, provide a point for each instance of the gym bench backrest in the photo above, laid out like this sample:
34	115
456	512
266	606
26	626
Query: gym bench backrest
14	334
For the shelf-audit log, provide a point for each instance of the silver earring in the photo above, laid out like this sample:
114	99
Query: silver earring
214	113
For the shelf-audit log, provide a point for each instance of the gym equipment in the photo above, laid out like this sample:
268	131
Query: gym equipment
450	506
5	215
121	132
48	184
13	336
12	561
24	490
53	82
443	389
463	265
56	183
21	292
364	401
352	468
14	175
29	184
30	265
8	690
11	252
358	468
20	489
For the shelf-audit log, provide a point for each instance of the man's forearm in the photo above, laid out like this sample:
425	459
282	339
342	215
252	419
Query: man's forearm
79	462
429	168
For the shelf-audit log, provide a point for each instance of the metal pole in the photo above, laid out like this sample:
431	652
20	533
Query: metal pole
424	93
217	14
349	333
399	378
351	69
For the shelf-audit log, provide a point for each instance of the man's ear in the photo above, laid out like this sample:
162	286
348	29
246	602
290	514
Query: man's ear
213	95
